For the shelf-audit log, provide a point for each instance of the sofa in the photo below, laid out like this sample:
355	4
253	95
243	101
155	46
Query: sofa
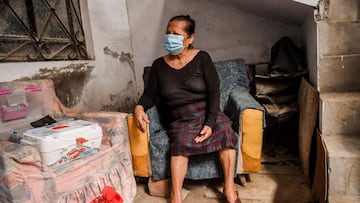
248	120
23	176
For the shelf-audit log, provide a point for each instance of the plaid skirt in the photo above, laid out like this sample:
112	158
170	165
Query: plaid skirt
187	122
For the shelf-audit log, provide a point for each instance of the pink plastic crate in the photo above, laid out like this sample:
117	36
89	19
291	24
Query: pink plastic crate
17	106
11	113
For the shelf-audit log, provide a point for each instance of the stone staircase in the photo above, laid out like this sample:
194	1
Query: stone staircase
339	88
340	129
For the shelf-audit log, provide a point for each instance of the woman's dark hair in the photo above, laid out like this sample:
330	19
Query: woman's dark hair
190	27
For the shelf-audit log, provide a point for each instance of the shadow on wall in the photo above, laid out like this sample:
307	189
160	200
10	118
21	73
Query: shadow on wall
123	101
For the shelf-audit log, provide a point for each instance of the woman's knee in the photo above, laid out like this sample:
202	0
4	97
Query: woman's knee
227	152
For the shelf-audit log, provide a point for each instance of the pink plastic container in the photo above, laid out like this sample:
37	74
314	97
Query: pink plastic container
11	114
17	105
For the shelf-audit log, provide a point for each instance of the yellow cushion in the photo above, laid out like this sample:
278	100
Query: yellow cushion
139	147
252	131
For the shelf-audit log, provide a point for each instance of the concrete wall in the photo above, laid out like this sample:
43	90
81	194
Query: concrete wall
104	83
339	47
223	30
123	36
338	83
310	46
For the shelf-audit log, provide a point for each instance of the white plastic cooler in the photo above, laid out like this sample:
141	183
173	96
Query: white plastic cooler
58	140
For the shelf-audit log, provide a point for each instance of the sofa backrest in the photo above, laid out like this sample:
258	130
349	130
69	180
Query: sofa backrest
232	74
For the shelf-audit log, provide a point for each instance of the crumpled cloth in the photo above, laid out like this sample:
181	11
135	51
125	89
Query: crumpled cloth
109	195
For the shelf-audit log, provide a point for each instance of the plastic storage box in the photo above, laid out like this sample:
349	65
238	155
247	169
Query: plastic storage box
64	141
16	107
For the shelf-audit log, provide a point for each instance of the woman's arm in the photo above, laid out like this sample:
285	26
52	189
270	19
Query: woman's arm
212	89
148	98
213	97
146	101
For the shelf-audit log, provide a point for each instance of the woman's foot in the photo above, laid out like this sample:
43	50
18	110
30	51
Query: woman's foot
232	196
176	198
238	198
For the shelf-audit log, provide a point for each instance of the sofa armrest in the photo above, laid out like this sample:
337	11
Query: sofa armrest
159	142
240	100
248	117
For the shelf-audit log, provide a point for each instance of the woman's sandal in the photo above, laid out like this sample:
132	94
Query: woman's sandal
237	199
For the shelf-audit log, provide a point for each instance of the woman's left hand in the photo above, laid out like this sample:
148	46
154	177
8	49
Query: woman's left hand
205	133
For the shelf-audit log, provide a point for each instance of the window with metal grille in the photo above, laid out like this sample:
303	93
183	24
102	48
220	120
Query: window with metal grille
38	30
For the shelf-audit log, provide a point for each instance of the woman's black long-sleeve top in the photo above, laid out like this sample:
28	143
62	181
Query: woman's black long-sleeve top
196	81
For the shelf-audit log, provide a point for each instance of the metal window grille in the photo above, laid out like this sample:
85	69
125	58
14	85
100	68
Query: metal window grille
38	30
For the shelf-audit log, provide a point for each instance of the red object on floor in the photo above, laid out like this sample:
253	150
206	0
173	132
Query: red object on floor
108	195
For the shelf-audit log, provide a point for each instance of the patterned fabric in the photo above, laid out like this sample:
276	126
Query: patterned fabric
232	75
234	98
85	178
159	146
23	178
187	124
203	166
239	100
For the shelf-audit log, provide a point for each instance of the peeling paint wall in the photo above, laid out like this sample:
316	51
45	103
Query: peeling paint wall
113	70
112	80
68	81
107	82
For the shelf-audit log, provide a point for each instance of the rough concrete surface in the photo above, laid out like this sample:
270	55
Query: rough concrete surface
340	113
344	165
339	74
341	10
275	183
338	38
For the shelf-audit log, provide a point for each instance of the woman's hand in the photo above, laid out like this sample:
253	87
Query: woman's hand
140	117
205	133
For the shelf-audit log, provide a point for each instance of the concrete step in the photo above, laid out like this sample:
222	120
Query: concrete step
337	199
343	167
337	38
339	73
341	10
340	113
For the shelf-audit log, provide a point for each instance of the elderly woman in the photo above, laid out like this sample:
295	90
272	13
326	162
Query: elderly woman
186	85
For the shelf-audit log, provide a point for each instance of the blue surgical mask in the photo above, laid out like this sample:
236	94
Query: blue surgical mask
174	43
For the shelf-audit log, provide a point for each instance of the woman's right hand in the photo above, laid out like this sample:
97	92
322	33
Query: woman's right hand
140	117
